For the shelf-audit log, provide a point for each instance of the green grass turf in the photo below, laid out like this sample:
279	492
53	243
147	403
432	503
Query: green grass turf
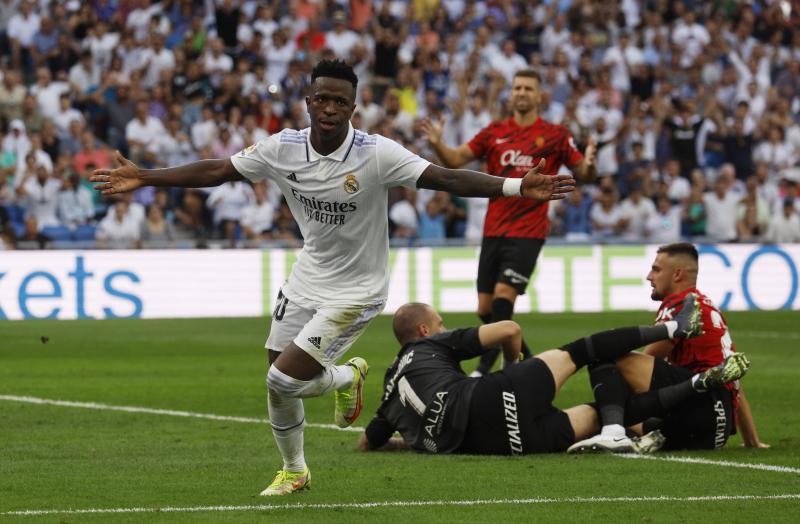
58	457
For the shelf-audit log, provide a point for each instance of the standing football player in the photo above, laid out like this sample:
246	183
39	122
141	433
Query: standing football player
335	180
514	230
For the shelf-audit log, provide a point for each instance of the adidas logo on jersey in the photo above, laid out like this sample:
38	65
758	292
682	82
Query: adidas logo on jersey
315	341
292	177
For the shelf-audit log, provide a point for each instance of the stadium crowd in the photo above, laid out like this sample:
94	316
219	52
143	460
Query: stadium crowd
694	106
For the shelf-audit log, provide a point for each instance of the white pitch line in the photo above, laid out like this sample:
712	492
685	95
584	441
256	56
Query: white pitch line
252	420
709	462
402	503
153	411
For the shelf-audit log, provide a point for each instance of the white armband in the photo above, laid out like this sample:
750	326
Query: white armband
512	187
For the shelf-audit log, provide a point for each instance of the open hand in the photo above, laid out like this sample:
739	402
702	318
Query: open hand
124	179
433	130
545	187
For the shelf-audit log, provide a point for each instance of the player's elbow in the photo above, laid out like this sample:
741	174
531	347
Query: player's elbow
510	328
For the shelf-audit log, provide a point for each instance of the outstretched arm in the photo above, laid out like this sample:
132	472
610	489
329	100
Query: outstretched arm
453	157
466	183
127	177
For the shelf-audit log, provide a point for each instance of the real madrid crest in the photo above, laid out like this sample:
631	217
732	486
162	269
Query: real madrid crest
351	184
249	149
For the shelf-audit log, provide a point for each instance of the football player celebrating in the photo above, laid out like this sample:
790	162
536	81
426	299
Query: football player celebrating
335	180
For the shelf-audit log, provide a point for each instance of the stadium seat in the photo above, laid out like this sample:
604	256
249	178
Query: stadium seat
15	213
57	233
84	232
19	228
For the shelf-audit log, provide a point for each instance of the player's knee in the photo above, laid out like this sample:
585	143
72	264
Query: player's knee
279	383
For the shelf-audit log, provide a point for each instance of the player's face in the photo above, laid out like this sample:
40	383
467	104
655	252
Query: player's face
525	94
330	106
660	277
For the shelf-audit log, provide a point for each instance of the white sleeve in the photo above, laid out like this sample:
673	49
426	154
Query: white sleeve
255	162
397	166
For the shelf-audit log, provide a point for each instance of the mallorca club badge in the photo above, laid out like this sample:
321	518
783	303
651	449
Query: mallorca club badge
351	184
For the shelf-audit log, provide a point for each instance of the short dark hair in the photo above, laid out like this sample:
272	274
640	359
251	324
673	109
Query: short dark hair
529	73
407	318
335	69
680	248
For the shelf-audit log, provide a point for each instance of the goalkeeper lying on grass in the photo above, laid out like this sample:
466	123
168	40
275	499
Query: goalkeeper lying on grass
438	409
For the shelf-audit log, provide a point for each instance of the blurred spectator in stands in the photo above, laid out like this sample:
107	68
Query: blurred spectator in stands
190	217
678	187
785	224
574	212
48	92
75	205
720	205
22	27
433	220
91	152
227	202
694	212
775	152
739	146
6	192
226	145
119	228
752	214
84	77
664	225
258	218
204	131
12	94
64	115
142	131
340	39
605	214
101	43
403	215
156	58
51	144
16	142
72	142
38	192
156	230
683	128
32	117
635	212
121	110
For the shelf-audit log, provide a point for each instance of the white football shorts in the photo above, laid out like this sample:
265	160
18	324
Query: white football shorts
324	332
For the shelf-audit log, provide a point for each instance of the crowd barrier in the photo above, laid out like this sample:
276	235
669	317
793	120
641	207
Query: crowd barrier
244	283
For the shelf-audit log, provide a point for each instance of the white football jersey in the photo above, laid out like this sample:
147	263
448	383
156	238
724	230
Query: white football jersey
340	204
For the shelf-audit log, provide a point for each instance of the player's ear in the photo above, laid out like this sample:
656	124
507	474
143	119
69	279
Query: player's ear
423	330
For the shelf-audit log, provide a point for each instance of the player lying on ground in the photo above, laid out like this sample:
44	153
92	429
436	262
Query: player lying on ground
336	180
701	423
438	409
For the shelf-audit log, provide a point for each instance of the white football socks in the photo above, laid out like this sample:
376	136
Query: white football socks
287	417
286	413
613	430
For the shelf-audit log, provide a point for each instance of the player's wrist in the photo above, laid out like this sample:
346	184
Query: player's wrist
512	187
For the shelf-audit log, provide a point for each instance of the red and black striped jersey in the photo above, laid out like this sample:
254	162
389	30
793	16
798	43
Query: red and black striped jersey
511	151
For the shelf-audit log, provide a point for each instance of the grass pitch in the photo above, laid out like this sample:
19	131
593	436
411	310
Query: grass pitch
71	459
